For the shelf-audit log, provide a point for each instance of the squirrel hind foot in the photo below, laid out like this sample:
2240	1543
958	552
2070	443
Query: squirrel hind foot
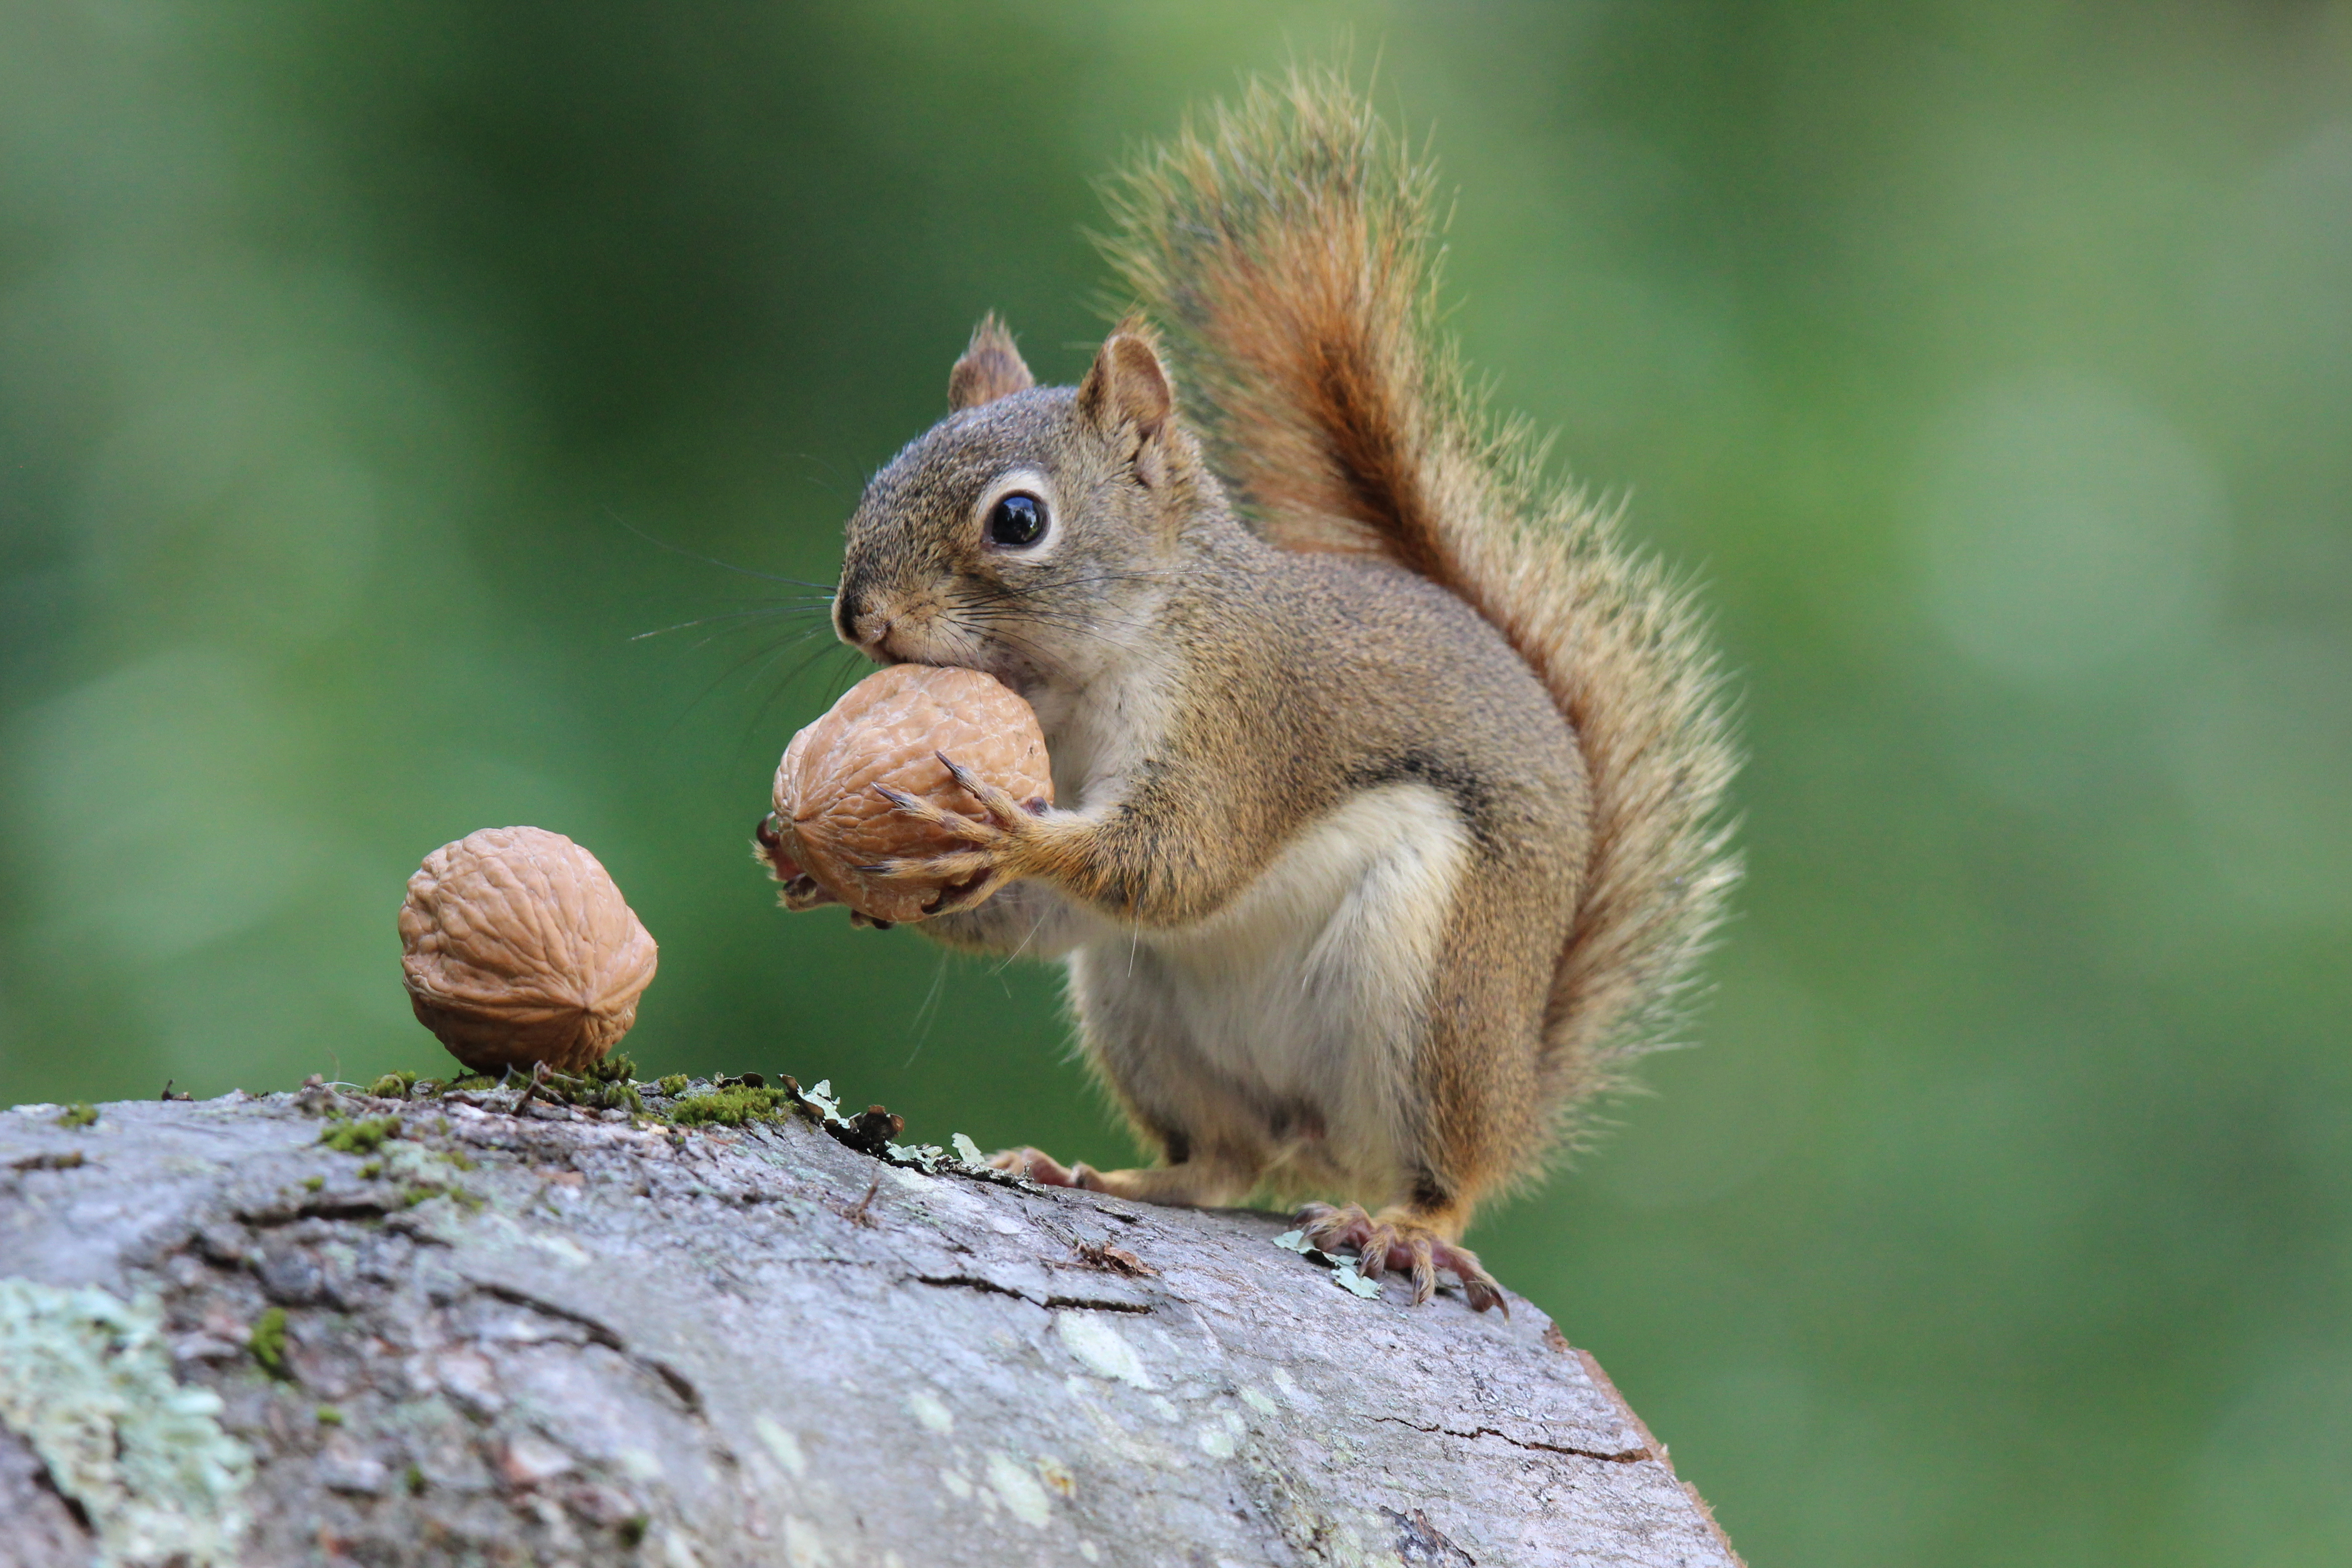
1044	1169
1398	1239
1192	1184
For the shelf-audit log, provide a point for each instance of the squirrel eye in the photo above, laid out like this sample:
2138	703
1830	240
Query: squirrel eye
1017	520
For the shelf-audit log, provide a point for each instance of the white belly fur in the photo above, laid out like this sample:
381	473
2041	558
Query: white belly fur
1312	986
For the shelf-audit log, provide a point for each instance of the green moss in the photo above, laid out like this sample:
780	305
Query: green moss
470	1081
330	1417
371	1170
609	1097
78	1116
426	1191
633	1528
415	1480
672	1085
458	1157
361	1138
734	1106
392	1085
607	1085
268	1343
313	1184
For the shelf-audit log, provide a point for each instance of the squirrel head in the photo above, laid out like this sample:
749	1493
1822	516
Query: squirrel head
1032	532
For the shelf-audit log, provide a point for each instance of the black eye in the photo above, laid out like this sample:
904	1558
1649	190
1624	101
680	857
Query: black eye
1016	520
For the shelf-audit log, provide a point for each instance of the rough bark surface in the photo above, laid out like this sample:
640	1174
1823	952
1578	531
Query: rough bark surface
565	1338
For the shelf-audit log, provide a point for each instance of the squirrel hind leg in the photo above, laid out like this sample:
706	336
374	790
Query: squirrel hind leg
1403	1238
1192	1184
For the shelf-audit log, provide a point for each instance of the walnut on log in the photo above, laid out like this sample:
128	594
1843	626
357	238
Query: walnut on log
516	948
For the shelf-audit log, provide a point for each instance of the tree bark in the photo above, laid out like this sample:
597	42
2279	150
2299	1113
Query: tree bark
567	1337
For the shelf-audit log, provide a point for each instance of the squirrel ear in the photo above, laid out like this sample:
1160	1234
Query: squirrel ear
1127	385
991	367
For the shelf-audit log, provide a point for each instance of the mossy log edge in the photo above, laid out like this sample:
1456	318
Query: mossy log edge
567	1337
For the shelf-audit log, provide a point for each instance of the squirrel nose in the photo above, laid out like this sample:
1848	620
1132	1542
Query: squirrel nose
848	610
857	625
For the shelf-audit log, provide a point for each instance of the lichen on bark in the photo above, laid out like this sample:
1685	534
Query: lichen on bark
574	1335
87	1382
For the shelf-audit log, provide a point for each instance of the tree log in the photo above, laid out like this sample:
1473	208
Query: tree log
566	1336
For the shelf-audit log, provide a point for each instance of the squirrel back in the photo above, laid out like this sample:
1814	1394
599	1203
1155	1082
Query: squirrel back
1289	245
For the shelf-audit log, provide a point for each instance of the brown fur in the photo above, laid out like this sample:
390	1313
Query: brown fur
1290	242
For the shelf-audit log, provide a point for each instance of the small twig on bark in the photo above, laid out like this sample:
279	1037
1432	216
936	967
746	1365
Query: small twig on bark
539	1073
862	1211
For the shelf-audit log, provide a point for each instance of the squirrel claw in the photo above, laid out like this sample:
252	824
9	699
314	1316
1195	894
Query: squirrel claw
989	846
960	896
1395	1240
1001	808
954	866
953	824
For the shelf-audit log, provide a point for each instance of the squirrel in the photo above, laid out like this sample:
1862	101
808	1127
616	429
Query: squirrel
1391	778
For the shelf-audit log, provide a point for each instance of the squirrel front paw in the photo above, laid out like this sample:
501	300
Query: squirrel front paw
800	891
996	848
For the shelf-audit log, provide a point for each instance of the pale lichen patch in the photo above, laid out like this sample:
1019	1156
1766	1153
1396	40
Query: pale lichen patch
781	1443
562	1247
804	1548
87	1380
1024	1498
924	1407
1101	1348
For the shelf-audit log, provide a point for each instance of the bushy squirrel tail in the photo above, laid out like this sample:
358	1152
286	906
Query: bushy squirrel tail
1289	245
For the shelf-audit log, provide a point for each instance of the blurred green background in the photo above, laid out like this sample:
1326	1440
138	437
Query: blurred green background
1991	363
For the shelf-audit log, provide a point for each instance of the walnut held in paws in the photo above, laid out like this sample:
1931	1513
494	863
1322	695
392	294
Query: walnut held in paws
889	732
516	948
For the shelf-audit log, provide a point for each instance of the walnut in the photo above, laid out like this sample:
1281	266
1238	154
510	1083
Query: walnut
516	948
889	729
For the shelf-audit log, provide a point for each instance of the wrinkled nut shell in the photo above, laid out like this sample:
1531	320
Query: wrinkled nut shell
516	948
889	729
